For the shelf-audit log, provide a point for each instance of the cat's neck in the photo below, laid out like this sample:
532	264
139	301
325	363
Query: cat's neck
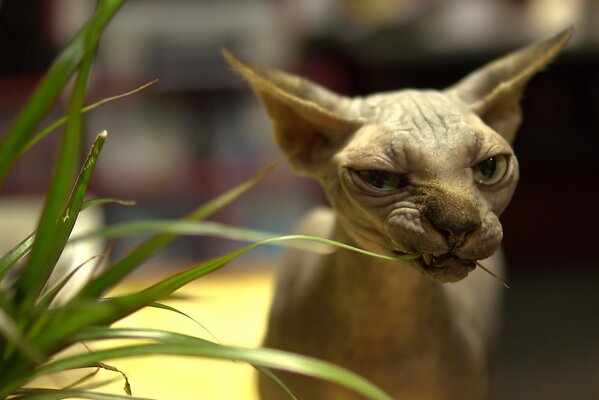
387	274
381	291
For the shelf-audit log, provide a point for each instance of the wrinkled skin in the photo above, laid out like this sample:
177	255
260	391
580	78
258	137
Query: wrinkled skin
434	144
408	171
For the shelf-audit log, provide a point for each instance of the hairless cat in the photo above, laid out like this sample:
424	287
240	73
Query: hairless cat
406	171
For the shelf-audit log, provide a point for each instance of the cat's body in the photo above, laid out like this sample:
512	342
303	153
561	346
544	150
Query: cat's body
435	348
408	171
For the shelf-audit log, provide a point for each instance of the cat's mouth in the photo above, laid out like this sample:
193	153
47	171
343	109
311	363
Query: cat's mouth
444	268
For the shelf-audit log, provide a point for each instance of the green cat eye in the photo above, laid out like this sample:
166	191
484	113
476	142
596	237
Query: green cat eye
491	170
381	180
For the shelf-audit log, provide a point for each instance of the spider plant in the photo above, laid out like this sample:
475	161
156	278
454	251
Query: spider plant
34	328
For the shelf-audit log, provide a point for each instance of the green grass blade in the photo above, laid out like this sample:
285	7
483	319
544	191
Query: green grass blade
169	285
46	249
56	331
165	337
34	274
230	232
15	254
58	123
80	384
188	346
183	227
56	394
125	265
22	249
177	311
9	330
273	377
69	159
405	257
77	385
46	300
72	318
105	200
52	235
178	227
156	335
51	85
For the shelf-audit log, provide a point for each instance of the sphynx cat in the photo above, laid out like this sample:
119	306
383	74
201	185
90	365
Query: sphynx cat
406	171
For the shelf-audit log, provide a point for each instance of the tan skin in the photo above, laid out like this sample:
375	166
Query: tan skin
407	171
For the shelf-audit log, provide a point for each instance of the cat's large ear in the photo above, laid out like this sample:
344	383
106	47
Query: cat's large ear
309	120
493	92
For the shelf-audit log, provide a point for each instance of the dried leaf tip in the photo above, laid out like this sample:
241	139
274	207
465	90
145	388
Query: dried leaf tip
492	274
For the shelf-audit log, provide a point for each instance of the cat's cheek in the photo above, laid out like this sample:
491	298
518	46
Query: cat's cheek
491	236
500	200
485	242
496	201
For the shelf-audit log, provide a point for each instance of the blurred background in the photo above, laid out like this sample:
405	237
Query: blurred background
199	131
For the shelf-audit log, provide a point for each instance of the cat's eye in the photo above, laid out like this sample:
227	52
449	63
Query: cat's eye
491	170
382	180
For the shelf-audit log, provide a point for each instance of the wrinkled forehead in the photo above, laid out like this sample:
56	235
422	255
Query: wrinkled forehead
416	110
420	122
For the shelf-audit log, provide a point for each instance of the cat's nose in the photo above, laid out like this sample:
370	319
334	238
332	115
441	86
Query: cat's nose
453	217
455	232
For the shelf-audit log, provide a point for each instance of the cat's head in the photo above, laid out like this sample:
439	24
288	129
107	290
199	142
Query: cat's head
412	170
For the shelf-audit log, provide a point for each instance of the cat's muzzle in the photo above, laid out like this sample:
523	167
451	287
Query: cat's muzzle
444	268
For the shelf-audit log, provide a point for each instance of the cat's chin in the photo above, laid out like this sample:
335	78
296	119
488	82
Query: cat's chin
446	268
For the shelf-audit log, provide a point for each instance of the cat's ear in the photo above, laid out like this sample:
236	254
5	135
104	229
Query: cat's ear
308	120
493	92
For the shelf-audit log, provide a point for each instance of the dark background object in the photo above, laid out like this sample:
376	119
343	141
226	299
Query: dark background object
22	44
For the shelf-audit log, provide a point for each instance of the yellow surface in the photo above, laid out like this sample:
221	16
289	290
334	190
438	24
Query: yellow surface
233	306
